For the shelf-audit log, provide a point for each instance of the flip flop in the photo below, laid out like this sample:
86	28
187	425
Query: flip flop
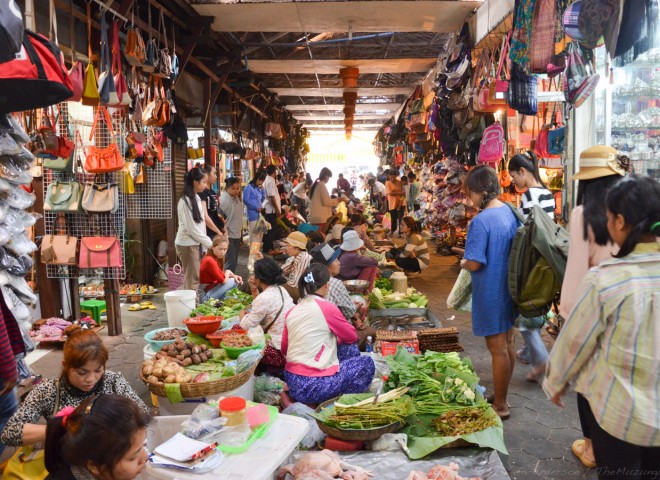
578	450
491	398
136	307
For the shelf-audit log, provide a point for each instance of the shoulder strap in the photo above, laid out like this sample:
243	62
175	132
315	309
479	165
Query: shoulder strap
57	397
279	288
108	121
515	212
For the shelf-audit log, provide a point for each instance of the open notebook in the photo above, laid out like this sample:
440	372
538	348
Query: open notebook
183	449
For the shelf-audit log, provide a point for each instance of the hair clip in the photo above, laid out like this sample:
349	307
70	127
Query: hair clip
309	278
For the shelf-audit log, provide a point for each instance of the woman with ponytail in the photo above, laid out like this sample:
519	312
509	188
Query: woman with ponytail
524	171
83	376
489	238
191	237
320	208
103	438
609	346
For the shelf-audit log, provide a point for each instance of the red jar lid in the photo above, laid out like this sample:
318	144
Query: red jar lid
232	404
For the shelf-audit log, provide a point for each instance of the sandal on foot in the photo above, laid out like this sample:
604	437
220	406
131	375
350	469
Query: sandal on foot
491	398
536	373
578	450
503	414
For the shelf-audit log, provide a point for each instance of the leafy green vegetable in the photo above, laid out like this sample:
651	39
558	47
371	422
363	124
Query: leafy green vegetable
197	339
371	415
383	284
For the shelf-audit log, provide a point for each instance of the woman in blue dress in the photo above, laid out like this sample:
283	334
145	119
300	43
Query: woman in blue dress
487	249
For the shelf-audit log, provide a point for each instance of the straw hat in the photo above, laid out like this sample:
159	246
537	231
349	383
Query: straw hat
599	161
351	241
297	239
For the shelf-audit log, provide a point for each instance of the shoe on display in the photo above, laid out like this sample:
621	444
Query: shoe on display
11	171
21	245
19	198
5	259
5	235
20	311
10	125
8	145
21	288
16	268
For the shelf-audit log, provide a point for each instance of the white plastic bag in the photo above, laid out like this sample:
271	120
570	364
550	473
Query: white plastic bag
460	297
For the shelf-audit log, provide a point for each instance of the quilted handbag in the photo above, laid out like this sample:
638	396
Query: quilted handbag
106	159
59	250
63	196
523	91
100	197
100	252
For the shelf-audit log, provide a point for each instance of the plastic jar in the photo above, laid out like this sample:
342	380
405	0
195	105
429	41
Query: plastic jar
399	282
233	409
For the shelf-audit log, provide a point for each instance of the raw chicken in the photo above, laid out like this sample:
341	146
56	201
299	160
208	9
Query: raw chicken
325	461
315	475
414	475
354	475
440	472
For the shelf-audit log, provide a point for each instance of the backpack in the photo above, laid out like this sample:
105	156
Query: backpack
492	144
537	262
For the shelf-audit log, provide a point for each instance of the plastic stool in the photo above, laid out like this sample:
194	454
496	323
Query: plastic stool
94	308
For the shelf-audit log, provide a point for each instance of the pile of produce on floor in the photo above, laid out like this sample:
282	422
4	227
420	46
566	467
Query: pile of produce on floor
382	297
235	301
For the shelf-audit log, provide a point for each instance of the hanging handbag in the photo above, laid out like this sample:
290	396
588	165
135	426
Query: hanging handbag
579	78
106	159
28	463
100	252
134	51
124	99
63	160
58	249
274	131
136	99
175	59
498	85
164	60
151	111
77	72
63	196
151	53
100	197
127	178
107	88
163	113
480	99
523	91
90	96
542	36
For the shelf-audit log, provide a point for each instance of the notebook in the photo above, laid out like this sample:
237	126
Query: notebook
181	448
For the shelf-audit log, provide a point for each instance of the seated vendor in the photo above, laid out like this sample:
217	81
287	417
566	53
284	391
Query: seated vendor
213	281
317	368
270	305
414	257
83	376
297	262
325	254
360	225
355	266
334	237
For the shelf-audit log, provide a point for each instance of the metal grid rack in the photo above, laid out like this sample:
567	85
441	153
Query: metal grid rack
82	224
153	199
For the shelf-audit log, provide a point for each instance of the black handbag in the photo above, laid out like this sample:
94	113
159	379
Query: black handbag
522	94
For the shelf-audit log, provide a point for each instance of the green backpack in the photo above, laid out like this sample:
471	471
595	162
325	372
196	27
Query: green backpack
537	262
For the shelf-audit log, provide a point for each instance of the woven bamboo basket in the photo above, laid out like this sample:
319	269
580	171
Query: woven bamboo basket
194	390
355	435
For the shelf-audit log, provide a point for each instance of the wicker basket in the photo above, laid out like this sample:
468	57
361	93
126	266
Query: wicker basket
194	390
439	340
355	435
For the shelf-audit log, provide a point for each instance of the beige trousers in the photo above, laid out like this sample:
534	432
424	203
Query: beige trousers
190	260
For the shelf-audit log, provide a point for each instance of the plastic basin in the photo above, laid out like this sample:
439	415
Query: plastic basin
156	345
216	338
203	325
234	352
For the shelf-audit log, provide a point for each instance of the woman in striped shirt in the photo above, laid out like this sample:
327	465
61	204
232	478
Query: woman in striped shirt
415	255
610	344
524	171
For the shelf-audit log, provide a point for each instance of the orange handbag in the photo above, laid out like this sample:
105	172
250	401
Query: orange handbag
151	111
135	51
163	112
106	159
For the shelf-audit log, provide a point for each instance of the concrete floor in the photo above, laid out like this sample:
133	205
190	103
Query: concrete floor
538	435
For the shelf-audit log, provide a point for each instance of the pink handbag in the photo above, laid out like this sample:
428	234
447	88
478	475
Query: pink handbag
491	149
100	252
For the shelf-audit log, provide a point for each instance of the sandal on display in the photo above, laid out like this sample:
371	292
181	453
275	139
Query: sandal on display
136	307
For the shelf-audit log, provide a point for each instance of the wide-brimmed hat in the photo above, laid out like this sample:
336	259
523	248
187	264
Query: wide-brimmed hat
352	241
324	253
297	239
598	161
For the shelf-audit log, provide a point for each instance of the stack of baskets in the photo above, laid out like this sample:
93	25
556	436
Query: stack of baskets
439	340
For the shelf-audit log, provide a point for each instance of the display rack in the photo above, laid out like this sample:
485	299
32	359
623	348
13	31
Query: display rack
81	224
153	199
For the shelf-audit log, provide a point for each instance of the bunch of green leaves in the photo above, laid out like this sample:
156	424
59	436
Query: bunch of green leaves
384	284
464	421
371	415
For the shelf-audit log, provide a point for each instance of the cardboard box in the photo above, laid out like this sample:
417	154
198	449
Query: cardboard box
389	348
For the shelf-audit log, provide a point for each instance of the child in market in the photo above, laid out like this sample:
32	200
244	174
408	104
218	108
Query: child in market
297	262
608	347
103	438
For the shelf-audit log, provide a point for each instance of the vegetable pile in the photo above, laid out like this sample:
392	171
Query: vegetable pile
235	301
355	412
464	421
383	298
170	334
186	354
236	341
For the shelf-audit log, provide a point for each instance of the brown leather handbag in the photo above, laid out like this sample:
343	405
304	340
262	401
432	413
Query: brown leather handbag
135	51
106	159
151	111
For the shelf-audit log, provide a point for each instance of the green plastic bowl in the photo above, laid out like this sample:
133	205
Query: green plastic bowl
156	345
234	352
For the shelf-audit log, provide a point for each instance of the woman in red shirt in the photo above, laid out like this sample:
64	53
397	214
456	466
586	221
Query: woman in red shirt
214	282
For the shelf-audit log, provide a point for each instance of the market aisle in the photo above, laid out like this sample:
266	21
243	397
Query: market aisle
538	435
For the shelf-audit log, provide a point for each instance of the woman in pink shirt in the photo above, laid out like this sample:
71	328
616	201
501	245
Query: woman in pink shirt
322	360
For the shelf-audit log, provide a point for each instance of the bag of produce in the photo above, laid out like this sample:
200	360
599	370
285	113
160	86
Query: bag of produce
460	297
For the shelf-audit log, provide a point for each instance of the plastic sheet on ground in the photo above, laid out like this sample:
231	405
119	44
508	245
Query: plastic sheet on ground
473	462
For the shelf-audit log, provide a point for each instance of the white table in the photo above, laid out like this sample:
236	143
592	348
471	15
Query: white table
259	462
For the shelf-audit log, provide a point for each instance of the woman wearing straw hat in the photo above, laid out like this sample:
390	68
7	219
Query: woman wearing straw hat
297	262
589	244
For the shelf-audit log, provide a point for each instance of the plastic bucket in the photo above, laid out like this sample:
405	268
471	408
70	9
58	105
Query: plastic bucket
179	304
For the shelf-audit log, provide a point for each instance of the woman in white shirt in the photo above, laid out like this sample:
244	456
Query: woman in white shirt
191	237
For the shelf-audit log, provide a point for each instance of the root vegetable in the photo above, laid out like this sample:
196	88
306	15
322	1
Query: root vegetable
180	379
180	357
209	353
203	358
202	377
152	379
203	347
196	360
186	353
196	349
187	361
170	379
158	372
147	370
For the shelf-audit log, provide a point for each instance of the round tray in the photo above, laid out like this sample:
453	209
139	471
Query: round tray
355	435
195	390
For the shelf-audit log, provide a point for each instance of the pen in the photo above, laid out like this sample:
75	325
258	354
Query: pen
204	451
